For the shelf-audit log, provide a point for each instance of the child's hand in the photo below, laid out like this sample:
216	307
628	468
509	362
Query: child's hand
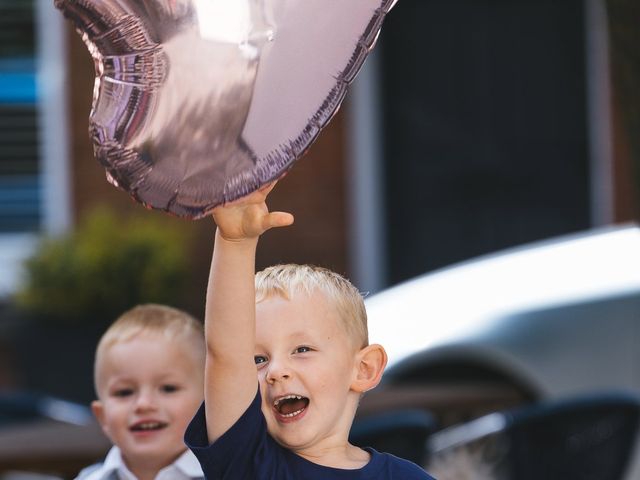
249	217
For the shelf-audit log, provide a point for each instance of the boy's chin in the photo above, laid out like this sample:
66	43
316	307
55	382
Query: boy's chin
297	441
290	443
153	455
133	460
290	440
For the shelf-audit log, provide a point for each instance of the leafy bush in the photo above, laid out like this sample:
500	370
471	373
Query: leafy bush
105	267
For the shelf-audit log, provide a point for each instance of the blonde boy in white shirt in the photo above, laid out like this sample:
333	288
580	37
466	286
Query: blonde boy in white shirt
149	376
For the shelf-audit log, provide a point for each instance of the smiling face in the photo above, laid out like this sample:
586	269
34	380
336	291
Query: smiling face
307	364
149	388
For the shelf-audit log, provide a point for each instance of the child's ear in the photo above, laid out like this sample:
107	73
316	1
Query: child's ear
371	361
98	411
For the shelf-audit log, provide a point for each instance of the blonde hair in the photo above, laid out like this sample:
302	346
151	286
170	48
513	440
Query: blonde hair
152	319
463	463
289	279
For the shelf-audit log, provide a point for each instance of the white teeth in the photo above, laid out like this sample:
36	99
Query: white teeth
148	426
293	414
288	397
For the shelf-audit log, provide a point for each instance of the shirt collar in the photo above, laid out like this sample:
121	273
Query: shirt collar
187	464
115	463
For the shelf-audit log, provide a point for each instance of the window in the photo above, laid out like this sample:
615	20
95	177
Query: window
486	128
33	184
19	178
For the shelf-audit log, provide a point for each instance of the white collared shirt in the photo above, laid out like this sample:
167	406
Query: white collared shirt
186	467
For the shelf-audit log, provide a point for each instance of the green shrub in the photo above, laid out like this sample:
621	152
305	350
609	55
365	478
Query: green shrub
105	267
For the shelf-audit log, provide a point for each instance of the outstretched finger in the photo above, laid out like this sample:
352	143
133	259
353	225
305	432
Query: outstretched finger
266	189
277	219
257	196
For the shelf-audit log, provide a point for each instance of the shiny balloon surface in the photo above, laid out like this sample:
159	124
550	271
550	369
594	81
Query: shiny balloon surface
199	102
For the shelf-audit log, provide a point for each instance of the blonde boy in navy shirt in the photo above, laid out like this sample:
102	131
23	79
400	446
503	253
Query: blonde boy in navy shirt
304	330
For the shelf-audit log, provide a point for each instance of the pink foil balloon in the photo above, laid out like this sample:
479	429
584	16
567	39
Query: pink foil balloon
199	102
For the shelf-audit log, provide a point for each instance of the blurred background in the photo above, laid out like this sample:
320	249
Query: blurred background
476	126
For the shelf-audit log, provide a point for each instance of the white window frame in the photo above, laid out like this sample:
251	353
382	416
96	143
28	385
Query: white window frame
600	128
365	183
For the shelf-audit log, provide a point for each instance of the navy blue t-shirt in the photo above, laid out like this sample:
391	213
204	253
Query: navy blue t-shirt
247	452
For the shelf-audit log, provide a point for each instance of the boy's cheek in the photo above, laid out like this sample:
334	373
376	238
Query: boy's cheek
104	413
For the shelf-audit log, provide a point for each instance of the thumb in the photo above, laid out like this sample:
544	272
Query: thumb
277	219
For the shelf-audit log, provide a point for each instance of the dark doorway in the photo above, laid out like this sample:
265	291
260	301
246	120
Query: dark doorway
485	127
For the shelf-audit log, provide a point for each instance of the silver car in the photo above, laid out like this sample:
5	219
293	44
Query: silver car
554	320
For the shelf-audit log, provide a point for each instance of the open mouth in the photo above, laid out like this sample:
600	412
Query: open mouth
290	406
148	426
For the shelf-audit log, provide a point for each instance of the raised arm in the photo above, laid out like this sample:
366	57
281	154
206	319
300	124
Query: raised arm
231	380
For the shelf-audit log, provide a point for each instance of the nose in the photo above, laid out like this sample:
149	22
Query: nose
277	370
145	401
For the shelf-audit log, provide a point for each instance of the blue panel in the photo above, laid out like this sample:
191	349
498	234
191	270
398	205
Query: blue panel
17	87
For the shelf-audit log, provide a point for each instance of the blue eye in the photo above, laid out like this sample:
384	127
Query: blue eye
303	349
260	359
